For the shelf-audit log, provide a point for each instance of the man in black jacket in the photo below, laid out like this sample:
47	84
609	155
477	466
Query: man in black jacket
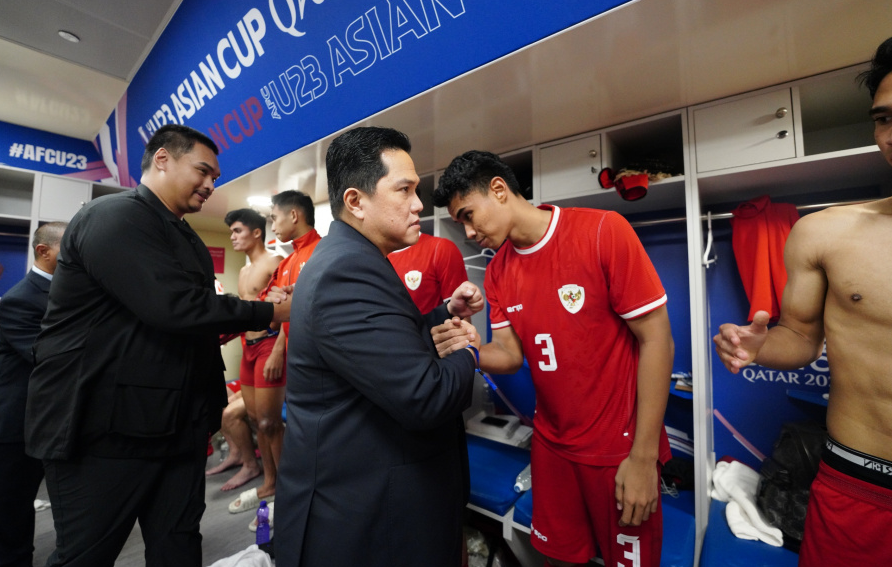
374	464
129	377
21	310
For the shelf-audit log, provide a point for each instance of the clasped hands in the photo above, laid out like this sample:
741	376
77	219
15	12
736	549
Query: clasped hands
280	297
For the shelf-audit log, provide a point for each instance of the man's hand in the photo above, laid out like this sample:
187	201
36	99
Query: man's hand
738	346
466	300
454	334
637	490
279	294
272	369
280	297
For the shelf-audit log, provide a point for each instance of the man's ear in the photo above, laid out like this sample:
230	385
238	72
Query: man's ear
160	159
499	189
295	214
353	202
41	250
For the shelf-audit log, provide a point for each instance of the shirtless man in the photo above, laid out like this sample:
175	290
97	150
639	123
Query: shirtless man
838	288
247	234
292	220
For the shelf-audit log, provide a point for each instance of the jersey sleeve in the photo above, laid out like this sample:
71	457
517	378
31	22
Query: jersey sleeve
635	288
497	319
449	261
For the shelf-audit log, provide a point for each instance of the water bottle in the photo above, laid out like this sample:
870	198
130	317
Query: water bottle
524	480
262	523
489	406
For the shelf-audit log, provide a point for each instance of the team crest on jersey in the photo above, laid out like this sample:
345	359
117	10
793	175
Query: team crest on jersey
572	297
413	279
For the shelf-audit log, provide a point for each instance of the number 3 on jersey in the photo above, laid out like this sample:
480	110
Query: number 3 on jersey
550	362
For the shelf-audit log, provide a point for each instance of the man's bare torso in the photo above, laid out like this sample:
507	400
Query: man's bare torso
854	253
253	278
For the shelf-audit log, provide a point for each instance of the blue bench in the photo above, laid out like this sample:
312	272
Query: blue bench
721	548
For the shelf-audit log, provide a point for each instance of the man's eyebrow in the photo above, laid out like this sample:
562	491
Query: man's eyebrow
459	213
407	181
878	110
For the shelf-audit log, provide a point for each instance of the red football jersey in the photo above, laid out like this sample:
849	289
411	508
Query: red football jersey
290	267
567	298
431	270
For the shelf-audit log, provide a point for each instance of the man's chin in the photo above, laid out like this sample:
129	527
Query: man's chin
412	236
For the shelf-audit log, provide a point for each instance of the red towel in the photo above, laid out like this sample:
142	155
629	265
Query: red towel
759	233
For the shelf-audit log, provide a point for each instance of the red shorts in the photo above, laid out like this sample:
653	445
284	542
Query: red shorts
253	359
847	522
575	515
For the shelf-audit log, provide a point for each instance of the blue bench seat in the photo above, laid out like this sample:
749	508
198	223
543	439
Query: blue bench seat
721	548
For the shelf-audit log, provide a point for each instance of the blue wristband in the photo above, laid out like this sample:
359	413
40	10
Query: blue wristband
476	355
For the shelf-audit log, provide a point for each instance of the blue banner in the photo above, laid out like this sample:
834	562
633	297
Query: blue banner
269	77
37	150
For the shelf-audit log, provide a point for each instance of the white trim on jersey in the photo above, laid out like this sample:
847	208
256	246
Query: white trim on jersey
538	246
642	310
500	325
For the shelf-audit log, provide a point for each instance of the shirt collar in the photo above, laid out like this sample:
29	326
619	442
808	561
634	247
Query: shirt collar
152	198
41	273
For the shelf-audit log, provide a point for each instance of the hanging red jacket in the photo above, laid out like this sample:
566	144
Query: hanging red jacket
759	233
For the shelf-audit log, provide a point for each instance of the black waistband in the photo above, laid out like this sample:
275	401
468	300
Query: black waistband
250	342
857	464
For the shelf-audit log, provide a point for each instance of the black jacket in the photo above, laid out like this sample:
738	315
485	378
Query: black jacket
374	465
21	310
128	361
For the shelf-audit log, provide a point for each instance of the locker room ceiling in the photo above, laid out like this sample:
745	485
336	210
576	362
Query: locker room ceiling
51	84
646	57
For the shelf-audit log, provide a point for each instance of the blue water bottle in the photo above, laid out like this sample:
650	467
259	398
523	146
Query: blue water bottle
262	523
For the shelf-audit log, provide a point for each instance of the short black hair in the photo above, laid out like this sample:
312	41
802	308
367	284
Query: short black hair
291	199
880	66
472	171
354	160
176	139
49	234
248	217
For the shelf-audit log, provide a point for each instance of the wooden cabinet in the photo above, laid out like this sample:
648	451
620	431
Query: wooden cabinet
751	130
16	189
570	168
59	198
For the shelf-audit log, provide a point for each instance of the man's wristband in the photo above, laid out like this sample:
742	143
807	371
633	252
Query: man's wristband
476	355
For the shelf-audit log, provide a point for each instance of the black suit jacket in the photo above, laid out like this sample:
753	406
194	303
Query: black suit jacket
128	361
21	310
374	466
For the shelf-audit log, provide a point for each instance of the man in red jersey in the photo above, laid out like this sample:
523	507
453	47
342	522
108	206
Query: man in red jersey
431	270
838	289
574	291
292	220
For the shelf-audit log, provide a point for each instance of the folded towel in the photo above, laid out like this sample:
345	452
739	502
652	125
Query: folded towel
736	484
252	556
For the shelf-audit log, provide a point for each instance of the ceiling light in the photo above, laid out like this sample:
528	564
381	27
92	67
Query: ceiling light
260	201
67	35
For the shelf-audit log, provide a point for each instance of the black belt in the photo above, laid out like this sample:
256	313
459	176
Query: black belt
250	342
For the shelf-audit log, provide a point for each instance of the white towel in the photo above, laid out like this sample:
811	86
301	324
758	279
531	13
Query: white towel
250	557
736	484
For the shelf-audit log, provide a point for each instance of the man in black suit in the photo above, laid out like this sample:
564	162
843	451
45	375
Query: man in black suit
128	382
21	310
374	465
